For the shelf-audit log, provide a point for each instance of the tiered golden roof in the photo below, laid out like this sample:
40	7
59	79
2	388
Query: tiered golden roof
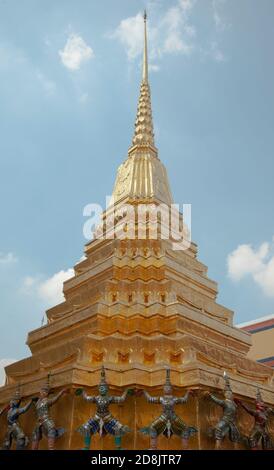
137	306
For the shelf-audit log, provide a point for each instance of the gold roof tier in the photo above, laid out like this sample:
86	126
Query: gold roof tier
142	177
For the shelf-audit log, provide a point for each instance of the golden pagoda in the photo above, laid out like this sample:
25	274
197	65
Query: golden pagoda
137	306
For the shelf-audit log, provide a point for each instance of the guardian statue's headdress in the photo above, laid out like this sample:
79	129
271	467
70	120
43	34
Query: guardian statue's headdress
227	383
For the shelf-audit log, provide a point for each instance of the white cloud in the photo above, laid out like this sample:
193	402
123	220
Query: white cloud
245	260
173	18
178	30
130	34
76	52
3	364
259	264
7	258
174	43
48	290
172	33
51	290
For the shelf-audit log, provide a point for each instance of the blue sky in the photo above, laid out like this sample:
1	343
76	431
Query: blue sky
70	75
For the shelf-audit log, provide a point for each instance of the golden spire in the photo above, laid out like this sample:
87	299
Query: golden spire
143	177
143	134
145	64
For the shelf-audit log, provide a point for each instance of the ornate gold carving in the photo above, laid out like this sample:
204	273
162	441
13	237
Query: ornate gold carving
97	357
176	357
123	357
149	357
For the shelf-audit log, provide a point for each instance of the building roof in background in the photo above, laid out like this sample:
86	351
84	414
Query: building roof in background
259	324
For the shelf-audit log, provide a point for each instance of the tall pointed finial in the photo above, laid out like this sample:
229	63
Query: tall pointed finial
145	59
143	133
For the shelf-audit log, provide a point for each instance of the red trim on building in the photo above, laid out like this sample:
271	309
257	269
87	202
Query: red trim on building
269	361
265	325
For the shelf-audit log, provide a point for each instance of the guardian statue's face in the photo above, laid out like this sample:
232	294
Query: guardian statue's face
260	406
167	390
103	390
14	403
228	395
44	393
